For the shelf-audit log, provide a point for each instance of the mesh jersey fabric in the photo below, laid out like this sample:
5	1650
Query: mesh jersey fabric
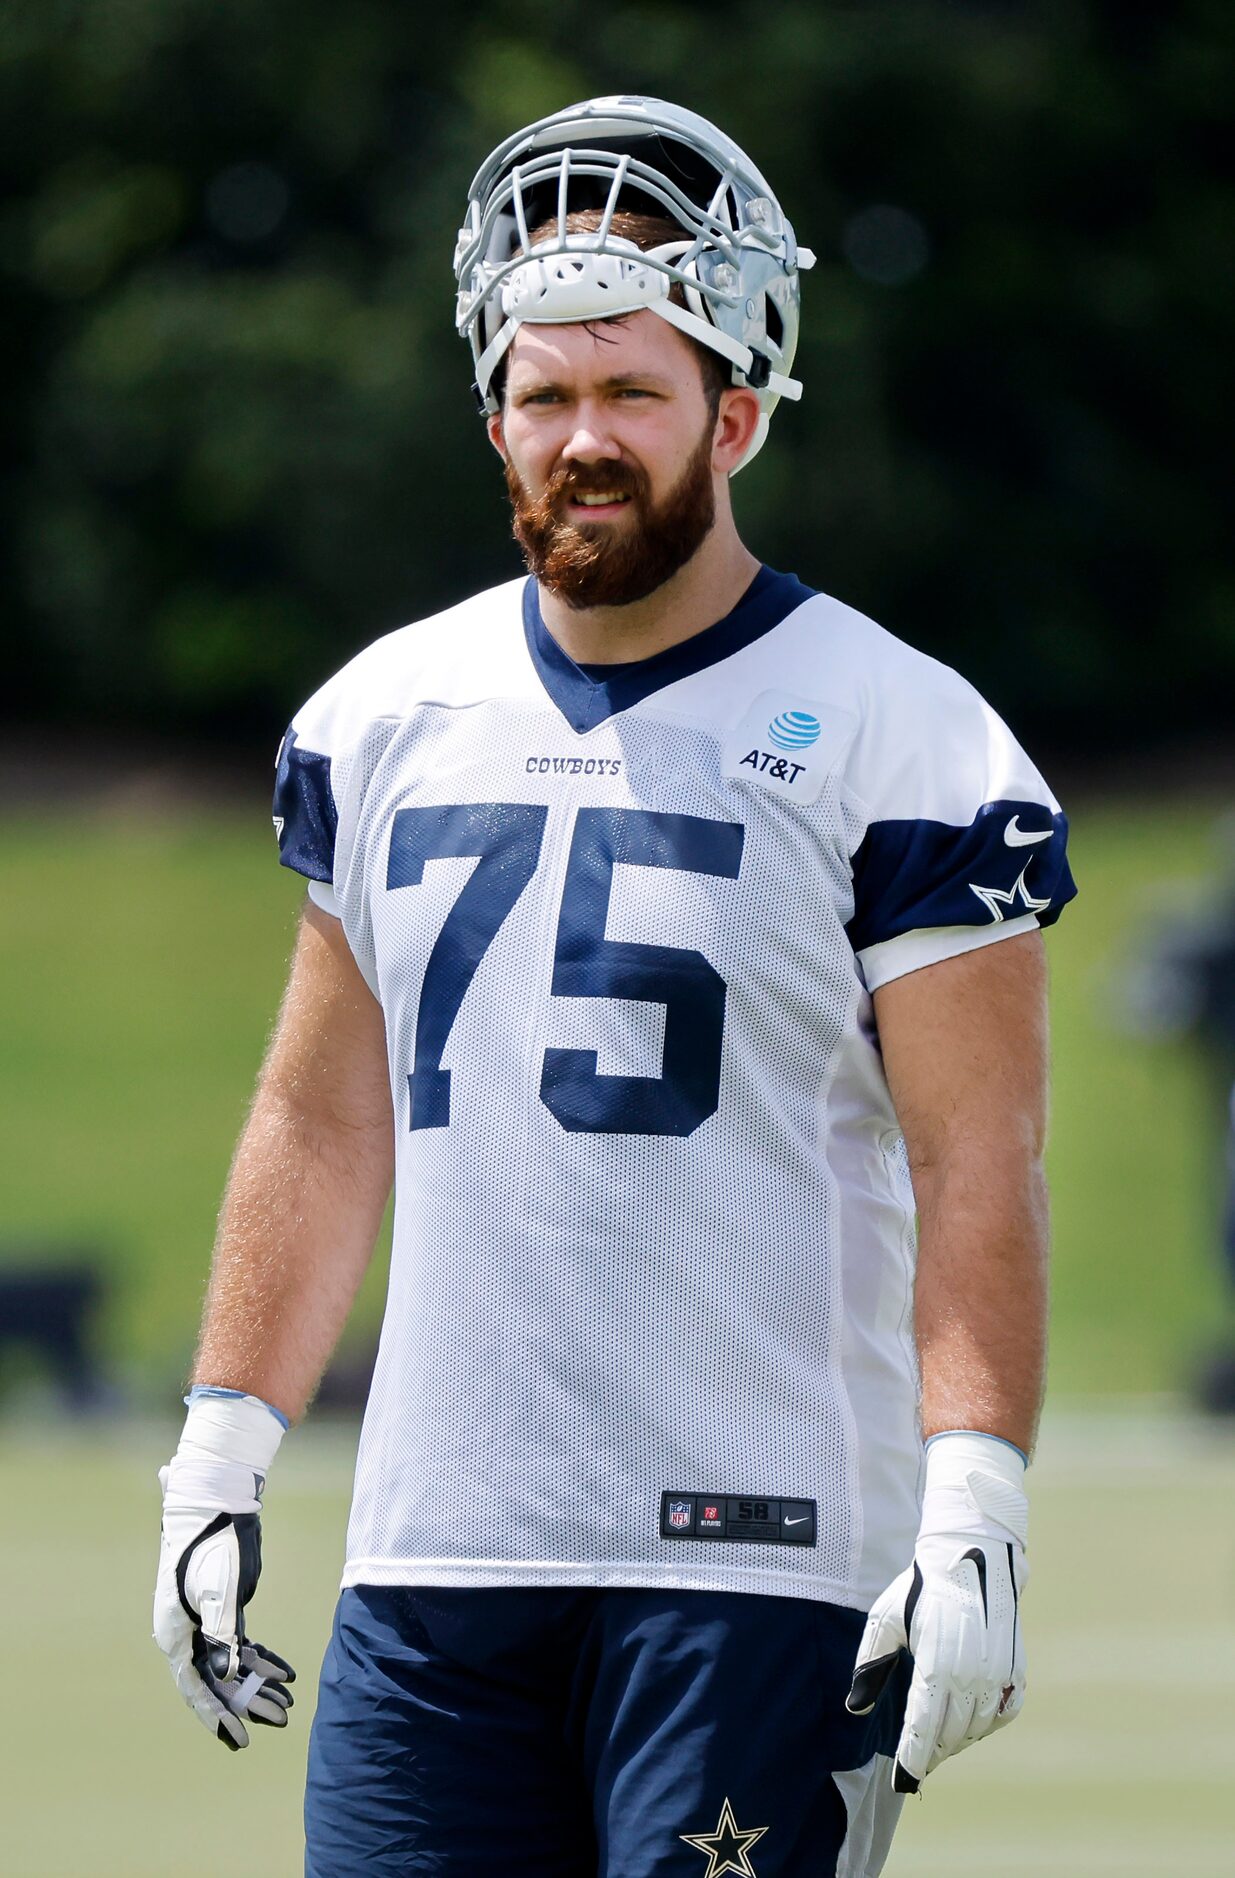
654	1229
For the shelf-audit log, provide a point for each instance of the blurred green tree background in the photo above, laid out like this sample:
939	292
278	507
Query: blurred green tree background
239	420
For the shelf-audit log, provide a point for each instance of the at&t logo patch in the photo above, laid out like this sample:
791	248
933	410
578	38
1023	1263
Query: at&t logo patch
788	745
794	730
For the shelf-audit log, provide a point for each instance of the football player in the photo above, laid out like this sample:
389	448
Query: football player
673	943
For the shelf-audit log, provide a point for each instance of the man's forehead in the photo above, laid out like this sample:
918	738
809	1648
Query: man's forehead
601	349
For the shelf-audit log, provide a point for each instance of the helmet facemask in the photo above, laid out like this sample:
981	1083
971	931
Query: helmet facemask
736	263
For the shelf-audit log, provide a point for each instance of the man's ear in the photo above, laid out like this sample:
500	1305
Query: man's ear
496	436
736	421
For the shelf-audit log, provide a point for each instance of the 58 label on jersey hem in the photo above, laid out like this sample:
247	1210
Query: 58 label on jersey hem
750	1518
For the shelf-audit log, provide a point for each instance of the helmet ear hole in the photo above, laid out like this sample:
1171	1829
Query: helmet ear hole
774	325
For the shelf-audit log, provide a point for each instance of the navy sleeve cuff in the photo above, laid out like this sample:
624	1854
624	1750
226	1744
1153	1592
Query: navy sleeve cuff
305	817
1010	860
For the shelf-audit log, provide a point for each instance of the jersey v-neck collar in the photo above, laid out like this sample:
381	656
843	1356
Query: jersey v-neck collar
588	694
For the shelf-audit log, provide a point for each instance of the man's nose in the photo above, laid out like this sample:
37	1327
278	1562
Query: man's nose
590	441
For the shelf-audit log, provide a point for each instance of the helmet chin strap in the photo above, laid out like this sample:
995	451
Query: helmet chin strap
737	354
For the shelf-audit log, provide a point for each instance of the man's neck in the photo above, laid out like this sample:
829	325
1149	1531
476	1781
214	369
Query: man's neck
709	586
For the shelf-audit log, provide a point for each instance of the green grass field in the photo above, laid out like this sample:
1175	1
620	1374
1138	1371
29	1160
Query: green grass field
141	958
1120	1765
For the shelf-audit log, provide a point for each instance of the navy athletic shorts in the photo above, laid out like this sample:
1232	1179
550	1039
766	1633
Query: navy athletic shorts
586	1733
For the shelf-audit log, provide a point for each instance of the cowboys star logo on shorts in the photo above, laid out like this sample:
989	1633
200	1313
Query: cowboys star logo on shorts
727	1847
679	1512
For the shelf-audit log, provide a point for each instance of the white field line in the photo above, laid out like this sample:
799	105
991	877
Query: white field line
1058	1850
1108	1657
1155	1441
1087	1757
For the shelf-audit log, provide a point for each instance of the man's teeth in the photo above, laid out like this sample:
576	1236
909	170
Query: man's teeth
597	502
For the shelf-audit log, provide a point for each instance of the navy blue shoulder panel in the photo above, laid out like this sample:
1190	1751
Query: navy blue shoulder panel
1009	861
305	817
587	695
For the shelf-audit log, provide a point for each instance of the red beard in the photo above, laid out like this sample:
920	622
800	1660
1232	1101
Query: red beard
608	564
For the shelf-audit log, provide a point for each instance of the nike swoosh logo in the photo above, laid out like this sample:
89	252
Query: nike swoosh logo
979	1559
801	1521
1017	837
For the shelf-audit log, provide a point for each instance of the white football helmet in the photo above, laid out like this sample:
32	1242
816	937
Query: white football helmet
737	263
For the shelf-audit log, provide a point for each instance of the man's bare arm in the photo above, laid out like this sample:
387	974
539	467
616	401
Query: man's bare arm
964	1047
308	1185
965	1051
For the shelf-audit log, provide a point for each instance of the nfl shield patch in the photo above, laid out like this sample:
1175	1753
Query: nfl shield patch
680	1512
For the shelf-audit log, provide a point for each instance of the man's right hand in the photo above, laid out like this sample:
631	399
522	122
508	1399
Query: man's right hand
209	1564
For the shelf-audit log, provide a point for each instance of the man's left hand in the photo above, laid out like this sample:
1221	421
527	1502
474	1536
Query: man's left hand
956	1609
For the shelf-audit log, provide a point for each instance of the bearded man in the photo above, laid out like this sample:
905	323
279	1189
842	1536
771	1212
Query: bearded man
672	942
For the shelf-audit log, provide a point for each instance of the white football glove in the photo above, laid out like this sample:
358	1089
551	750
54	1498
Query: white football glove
956	1608
209	1562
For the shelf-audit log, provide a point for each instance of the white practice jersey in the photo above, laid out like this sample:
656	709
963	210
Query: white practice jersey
649	1319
